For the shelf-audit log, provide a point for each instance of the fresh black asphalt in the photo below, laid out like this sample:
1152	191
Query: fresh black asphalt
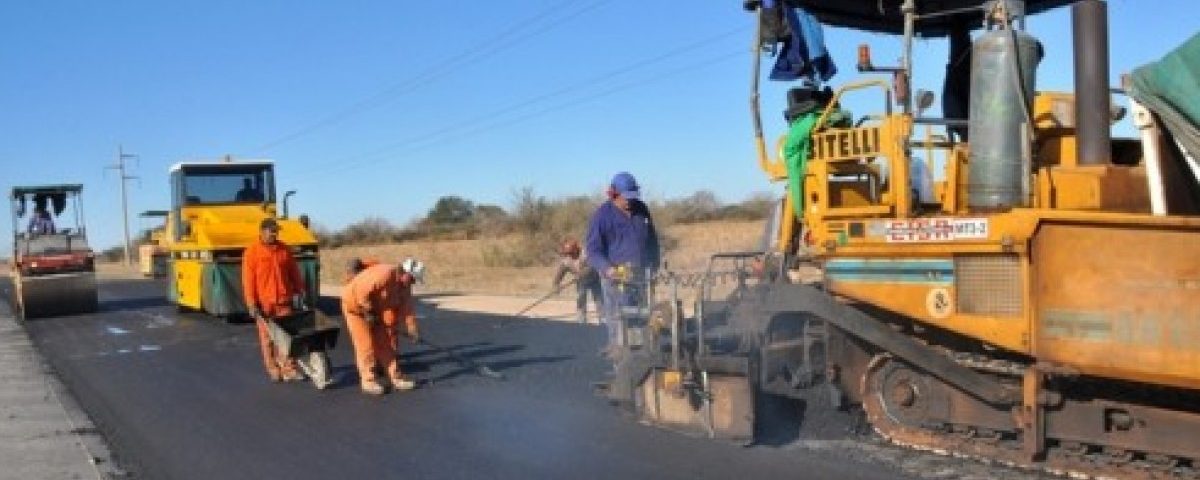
183	396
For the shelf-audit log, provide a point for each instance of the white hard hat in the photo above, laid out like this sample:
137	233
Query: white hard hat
415	268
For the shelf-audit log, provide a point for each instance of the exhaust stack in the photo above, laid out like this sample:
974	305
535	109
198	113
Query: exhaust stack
1089	22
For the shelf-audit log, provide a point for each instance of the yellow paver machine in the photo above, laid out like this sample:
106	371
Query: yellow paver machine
1036	303
216	208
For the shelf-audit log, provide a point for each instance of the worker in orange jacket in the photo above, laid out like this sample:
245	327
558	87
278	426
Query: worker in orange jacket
273	287
413	273
374	302
357	265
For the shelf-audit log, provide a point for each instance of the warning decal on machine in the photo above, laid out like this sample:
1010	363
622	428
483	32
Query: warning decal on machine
932	229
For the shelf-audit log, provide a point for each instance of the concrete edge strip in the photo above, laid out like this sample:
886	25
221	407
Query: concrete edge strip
87	437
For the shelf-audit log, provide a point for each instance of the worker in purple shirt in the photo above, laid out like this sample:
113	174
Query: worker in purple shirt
622	246
41	223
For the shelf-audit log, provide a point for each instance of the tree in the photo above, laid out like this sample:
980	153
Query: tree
489	211
530	211
490	220
451	210
368	231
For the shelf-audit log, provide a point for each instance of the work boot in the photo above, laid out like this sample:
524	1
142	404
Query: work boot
372	388
274	376
402	384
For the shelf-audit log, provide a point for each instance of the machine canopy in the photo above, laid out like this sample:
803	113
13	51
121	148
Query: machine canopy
884	16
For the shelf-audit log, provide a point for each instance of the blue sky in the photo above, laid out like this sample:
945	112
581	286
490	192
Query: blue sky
379	108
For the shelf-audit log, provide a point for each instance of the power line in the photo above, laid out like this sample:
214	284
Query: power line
608	92
504	40
424	143
572	87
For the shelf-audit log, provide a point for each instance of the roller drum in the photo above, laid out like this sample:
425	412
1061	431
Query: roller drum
56	294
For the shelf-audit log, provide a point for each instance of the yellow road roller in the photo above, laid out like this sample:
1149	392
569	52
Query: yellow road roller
216	208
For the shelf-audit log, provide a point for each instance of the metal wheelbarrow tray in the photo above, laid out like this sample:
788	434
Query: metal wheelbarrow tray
306	336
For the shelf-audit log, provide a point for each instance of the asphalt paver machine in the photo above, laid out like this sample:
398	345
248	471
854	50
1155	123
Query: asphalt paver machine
1036	303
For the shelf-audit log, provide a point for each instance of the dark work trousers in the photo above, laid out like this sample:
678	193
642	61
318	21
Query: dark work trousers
582	288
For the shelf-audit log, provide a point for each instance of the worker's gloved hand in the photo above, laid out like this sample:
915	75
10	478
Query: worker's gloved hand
298	302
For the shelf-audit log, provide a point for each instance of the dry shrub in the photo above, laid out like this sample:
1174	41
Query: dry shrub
538	226
491	265
528	233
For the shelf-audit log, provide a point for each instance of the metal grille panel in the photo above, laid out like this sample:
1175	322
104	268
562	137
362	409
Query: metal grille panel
988	284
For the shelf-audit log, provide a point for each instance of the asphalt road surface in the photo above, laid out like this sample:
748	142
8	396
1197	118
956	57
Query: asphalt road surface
182	396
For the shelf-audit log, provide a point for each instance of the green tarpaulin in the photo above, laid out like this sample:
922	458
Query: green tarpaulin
1171	89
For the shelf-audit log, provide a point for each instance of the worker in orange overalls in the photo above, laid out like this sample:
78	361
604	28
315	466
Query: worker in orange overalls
414	271
273	287
374	301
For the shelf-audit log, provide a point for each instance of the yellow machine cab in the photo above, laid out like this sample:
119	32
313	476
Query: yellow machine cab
216	209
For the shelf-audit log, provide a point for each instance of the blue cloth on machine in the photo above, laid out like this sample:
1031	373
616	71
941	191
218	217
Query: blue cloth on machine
804	55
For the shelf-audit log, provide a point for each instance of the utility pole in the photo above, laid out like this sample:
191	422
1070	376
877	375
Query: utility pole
123	177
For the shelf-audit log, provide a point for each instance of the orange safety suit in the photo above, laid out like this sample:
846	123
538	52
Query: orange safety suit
385	292
270	277
363	263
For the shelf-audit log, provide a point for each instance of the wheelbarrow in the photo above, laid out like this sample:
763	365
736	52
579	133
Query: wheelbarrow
306	336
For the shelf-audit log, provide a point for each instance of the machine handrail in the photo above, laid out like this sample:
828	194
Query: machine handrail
858	85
